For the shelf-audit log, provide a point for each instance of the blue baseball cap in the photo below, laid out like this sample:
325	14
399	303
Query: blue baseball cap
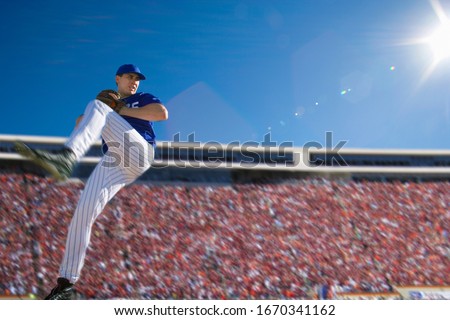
130	68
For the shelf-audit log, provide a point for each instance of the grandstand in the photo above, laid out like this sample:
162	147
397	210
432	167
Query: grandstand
238	222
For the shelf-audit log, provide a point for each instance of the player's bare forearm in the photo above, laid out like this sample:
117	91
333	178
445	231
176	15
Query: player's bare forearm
150	112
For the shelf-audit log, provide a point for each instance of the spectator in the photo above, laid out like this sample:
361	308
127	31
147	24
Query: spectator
253	241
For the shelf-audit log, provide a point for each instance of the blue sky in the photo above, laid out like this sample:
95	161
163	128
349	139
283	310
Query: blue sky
234	70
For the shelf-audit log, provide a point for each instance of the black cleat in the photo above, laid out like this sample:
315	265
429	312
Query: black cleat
63	291
59	164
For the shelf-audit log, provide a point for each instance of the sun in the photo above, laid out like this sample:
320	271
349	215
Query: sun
439	42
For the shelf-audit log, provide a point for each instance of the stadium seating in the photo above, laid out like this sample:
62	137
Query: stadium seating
236	241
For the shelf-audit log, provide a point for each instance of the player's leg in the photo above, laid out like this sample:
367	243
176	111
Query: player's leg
89	128
128	157
128	148
60	164
101	187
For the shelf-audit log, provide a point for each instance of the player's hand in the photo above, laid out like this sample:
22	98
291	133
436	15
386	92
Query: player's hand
112	99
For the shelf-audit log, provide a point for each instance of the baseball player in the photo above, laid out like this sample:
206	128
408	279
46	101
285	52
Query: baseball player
124	120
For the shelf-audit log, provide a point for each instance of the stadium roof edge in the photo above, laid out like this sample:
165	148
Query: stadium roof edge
247	145
293	168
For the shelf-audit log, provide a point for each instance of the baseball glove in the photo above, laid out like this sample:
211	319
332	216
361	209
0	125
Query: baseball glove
112	99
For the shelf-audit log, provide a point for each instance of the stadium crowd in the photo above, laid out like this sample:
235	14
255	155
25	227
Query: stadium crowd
237	241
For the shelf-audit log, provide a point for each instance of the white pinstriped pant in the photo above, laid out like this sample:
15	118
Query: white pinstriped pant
129	156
